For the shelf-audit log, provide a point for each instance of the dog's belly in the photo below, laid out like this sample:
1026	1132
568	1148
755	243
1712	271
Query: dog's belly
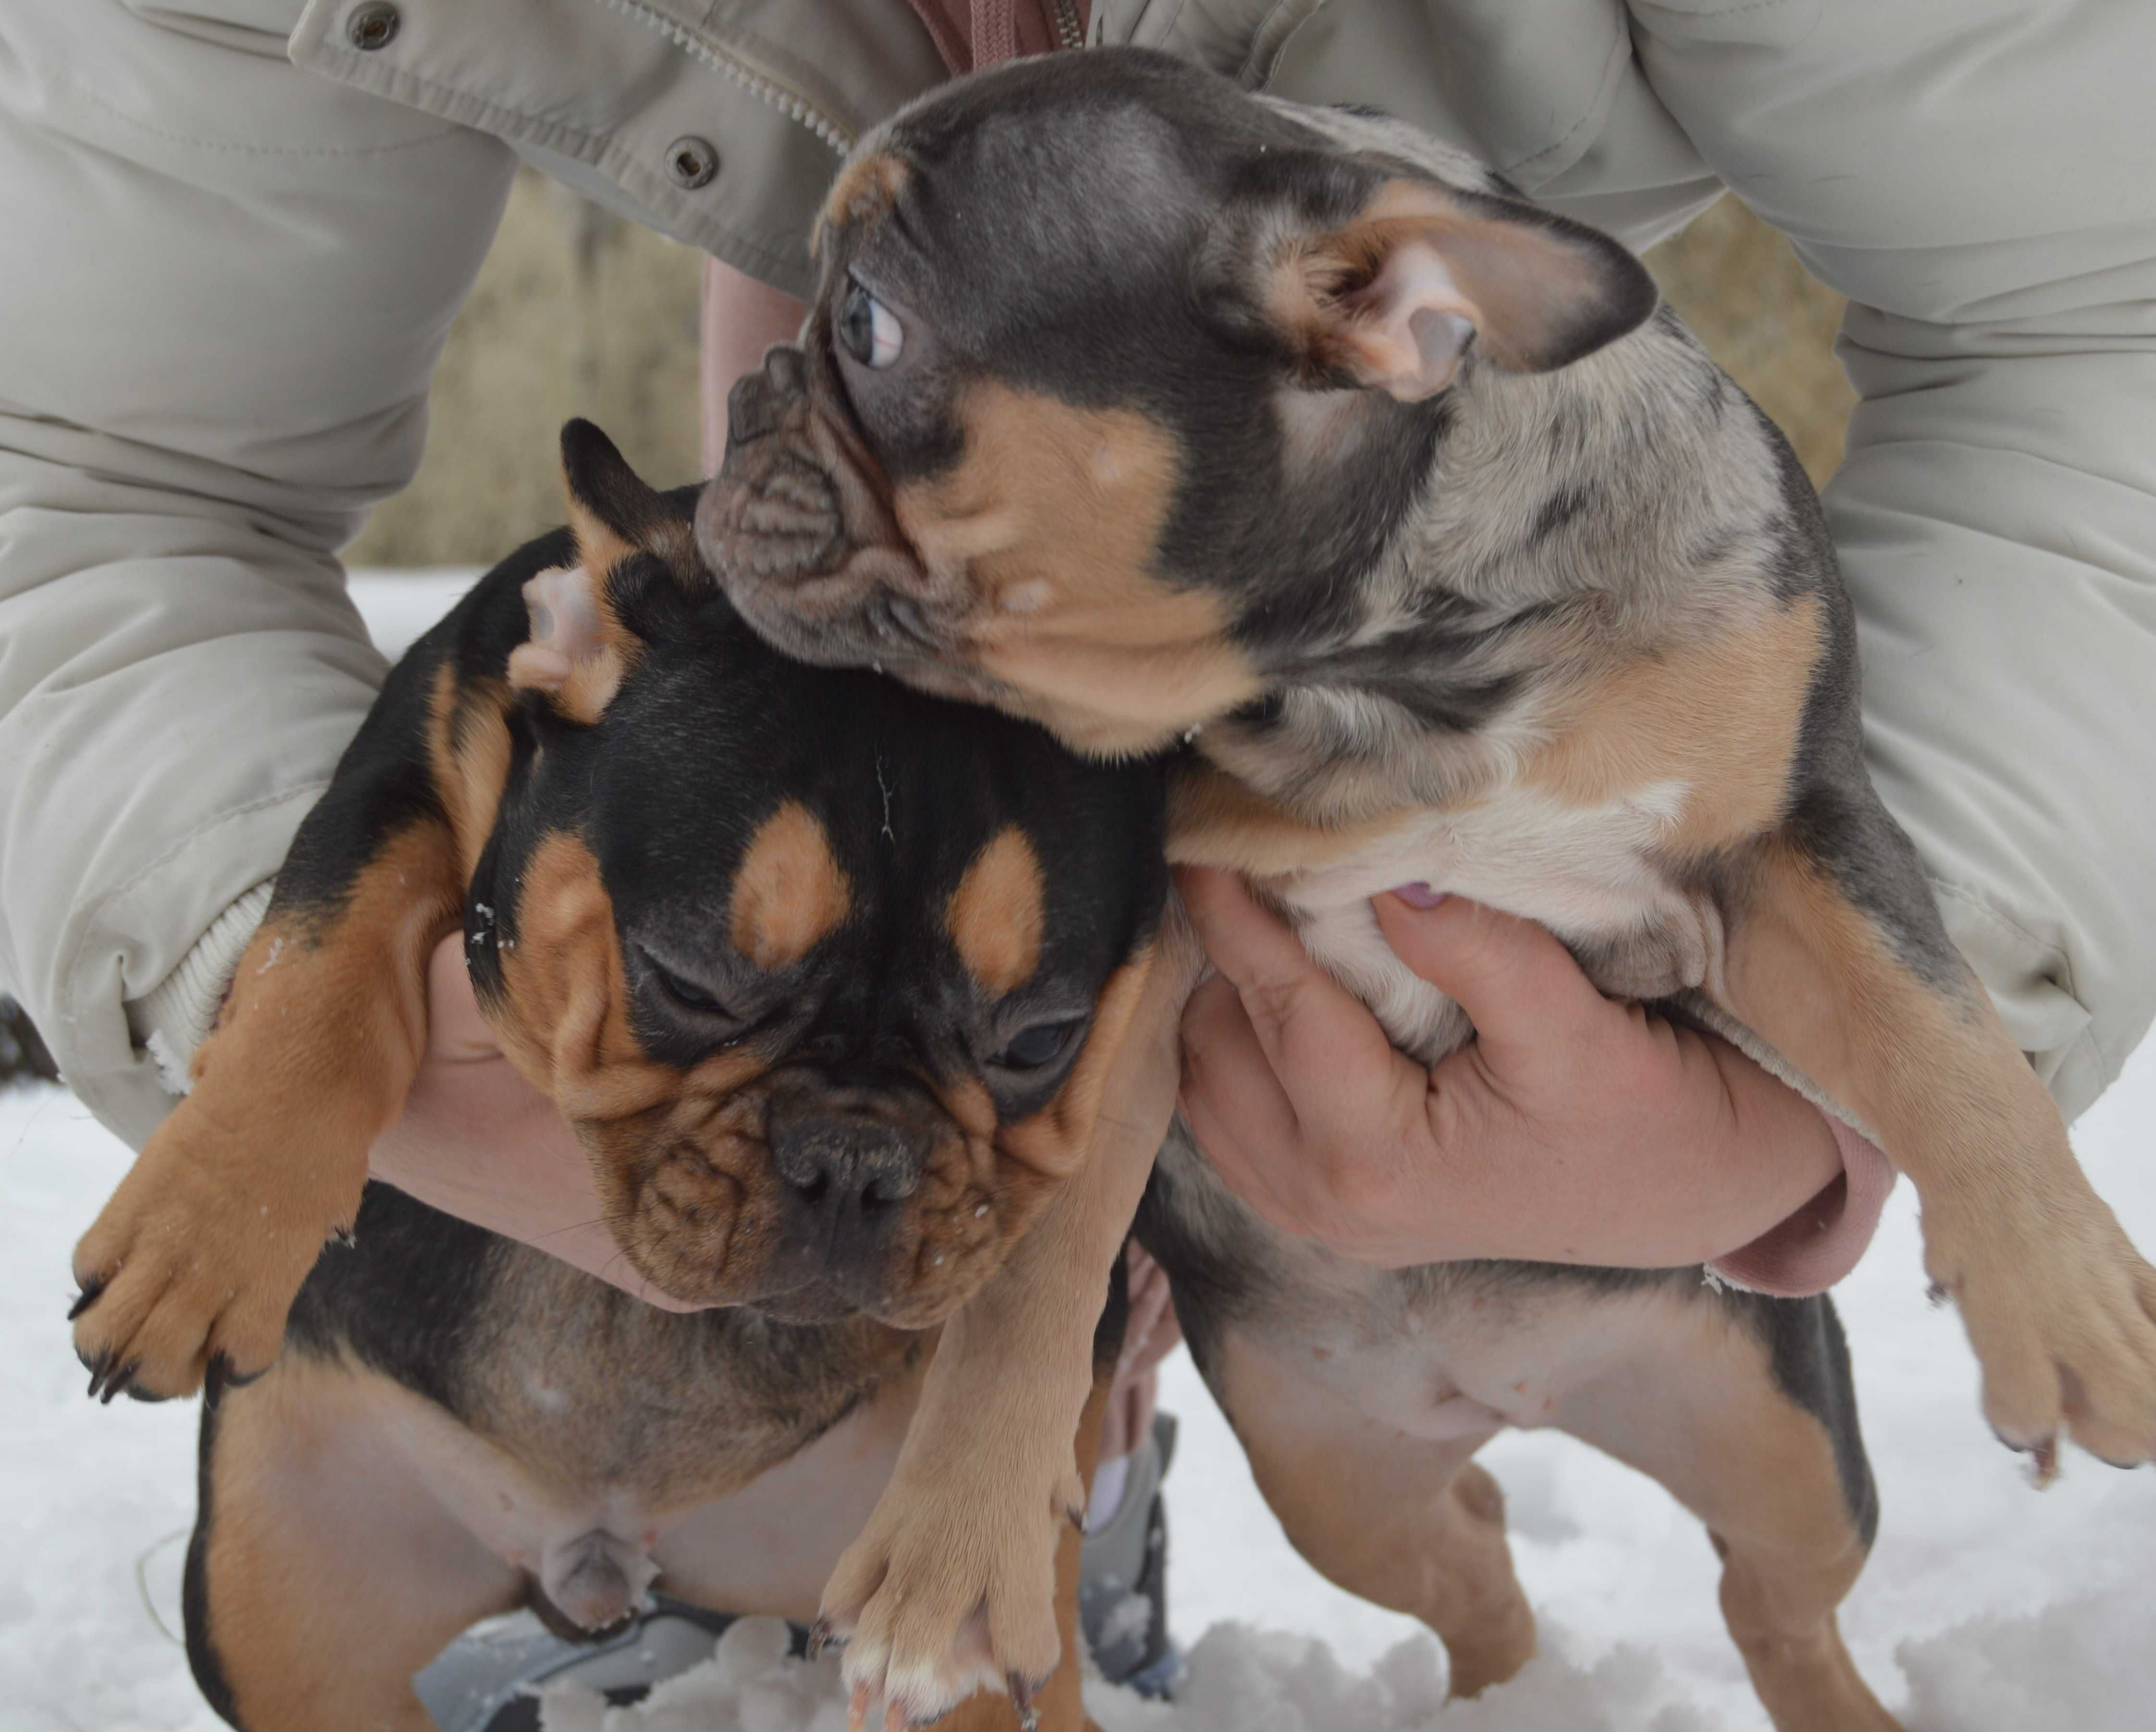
1589	874
596	1443
766	1542
1446	1351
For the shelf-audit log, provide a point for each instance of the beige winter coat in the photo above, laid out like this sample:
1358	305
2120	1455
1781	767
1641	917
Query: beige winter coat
232	234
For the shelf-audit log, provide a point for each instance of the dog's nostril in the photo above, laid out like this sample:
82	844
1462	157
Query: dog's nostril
857	1168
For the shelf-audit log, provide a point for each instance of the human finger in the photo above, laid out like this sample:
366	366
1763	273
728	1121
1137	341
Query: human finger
1520	986
1315	1033
1235	1107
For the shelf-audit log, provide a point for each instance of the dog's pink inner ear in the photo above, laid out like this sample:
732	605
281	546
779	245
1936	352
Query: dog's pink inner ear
571	653
1398	294
1409	326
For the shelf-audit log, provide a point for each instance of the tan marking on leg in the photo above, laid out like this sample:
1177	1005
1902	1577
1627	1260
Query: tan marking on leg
2060	1308
468	744
996	916
1060	1705
1214	819
332	1573
208	1238
789	892
1407	1523
1051	523
1721	716
866	188
1697	1408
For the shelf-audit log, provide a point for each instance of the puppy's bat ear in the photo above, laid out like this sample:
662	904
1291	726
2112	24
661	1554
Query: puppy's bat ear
613	512
1392	297
579	650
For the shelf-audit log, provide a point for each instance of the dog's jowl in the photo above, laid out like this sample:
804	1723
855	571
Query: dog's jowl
827	976
1154	410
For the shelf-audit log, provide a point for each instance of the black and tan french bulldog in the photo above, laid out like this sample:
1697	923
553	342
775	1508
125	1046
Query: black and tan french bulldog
826	974
1153	410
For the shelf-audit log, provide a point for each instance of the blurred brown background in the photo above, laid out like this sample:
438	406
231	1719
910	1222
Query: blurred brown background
580	312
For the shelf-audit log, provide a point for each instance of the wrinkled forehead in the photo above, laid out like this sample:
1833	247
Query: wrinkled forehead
1042	179
794	808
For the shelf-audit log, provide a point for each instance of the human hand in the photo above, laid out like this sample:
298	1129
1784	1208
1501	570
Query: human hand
477	1141
1573	1129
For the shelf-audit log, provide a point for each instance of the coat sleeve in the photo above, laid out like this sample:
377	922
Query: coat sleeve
227	284
1976	179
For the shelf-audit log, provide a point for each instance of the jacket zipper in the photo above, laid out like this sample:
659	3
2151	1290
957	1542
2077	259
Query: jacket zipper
1064	14
765	89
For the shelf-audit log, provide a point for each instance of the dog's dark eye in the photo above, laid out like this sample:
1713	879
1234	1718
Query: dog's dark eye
1041	1044
870	330
687	993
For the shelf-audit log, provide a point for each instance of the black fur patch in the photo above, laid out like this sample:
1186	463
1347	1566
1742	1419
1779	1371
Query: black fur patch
202	1657
1810	1357
403	1299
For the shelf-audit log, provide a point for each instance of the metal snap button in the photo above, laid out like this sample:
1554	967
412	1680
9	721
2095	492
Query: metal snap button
691	162
372	26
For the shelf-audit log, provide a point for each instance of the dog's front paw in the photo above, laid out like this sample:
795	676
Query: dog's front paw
2061	1313
951	1589
191	1267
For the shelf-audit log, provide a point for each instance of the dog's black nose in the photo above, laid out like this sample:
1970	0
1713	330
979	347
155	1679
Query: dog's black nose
850	1169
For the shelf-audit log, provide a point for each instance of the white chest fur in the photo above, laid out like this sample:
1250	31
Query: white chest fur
1591	874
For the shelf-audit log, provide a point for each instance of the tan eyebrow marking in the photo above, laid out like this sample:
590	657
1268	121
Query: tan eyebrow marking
997	914
790	892
866	188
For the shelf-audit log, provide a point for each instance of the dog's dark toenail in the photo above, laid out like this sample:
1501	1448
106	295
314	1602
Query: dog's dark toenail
93	1290
121	1380
97	1365
1022	1693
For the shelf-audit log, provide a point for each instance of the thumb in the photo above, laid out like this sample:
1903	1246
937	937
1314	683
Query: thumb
1518	984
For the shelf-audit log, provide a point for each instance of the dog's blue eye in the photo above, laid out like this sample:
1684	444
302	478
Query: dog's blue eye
870	330
1041	1044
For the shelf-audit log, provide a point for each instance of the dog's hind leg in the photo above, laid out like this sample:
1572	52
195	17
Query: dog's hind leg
1741	1407
323	1573
1836	955
1410	1523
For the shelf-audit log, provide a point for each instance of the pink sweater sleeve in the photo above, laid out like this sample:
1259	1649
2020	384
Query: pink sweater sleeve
1820	1243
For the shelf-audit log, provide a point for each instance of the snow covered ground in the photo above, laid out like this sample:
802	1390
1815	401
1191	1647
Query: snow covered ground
1987	1607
